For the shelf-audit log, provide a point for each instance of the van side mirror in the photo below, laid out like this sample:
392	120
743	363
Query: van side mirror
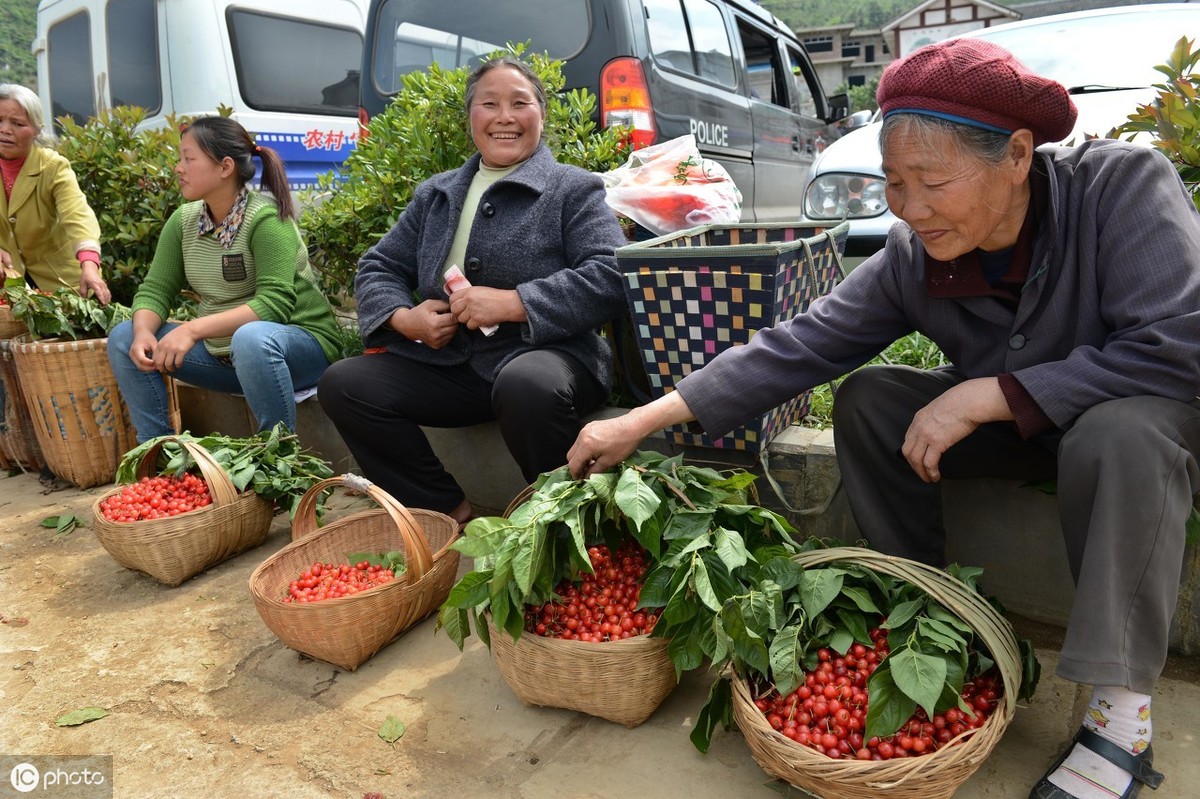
838	106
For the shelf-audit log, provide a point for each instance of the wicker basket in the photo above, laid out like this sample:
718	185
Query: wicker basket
590	677
18	443
931	776
174	549
9	326
79	417
593	678
348	630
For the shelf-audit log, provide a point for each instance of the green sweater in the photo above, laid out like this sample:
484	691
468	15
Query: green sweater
266	268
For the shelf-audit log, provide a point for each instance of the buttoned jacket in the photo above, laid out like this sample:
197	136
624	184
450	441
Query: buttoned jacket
544	230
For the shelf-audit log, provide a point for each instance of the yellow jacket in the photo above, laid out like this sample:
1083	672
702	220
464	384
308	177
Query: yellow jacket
47	220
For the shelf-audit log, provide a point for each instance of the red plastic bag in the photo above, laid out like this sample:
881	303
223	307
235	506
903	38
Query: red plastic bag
669	187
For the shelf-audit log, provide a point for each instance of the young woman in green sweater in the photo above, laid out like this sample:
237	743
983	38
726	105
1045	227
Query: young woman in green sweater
263	329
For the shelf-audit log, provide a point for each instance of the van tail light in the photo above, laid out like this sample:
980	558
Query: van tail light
625	100
363	119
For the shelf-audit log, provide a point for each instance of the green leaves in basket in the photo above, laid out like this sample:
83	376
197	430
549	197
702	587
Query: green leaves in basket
63	313
774	628
700	527
271	463
388	560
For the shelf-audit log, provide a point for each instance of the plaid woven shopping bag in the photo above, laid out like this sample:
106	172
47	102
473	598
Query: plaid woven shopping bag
698	292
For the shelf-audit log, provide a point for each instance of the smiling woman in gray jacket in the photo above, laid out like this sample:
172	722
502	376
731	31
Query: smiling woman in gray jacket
535	240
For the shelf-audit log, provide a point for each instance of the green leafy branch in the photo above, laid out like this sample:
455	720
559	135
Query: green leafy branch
63	313
696	524
1173	118
271	463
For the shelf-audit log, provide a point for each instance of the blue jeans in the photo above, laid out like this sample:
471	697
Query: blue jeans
269	363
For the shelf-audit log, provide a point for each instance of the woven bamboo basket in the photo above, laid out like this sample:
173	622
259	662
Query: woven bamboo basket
79	417
348	630
172	550
9	326
18	443
932	776
598	679
590	677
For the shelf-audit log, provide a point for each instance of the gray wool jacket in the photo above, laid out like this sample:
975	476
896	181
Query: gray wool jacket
1110	309
544	230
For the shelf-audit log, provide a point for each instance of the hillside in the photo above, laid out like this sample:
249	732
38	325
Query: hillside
863	13
18	27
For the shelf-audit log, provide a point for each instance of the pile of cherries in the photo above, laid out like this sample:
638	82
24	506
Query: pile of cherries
828	711
156	498
603	606
332	580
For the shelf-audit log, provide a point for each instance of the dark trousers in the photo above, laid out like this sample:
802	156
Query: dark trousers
380	402
1126	471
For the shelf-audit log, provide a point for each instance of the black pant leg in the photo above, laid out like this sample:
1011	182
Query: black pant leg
894	509
540	398
379	403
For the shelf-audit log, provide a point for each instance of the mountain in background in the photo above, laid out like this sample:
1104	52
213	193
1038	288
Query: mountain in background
814	13
18	27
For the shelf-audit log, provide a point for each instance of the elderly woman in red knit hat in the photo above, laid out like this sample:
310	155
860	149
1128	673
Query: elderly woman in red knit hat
1063	285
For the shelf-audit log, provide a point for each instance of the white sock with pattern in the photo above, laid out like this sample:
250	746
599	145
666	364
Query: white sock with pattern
1120	716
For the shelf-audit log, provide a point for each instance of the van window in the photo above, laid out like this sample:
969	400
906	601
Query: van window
804	102
412	34
70	67
690	36
133	73
763	67
295	65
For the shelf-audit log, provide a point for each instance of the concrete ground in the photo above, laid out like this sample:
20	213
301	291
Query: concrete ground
203	701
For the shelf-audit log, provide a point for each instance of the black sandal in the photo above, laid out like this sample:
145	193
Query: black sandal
1137	765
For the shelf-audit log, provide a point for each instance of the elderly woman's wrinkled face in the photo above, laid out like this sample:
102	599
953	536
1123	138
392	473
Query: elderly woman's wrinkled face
506	119
17	132
954	202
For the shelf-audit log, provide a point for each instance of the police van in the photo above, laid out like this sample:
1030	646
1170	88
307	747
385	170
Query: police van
288	68
727	71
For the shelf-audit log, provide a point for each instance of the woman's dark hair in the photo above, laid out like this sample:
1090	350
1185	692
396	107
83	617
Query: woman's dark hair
539	88
220	138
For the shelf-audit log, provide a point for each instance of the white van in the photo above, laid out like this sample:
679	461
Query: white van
289	69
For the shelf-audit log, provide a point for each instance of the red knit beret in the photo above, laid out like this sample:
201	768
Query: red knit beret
977	83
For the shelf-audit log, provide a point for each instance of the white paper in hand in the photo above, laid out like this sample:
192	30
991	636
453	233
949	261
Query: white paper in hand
455	281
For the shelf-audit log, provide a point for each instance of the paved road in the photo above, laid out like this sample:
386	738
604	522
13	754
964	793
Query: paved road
204	702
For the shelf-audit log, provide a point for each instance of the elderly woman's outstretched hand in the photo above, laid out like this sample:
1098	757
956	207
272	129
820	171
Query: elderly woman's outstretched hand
603	444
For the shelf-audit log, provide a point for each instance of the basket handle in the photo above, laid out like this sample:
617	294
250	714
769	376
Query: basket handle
219	484
520	499
416	546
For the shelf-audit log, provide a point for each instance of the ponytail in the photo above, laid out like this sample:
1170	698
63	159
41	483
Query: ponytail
275	181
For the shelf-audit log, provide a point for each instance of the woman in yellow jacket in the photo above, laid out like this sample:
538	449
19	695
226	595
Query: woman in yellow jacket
48	232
